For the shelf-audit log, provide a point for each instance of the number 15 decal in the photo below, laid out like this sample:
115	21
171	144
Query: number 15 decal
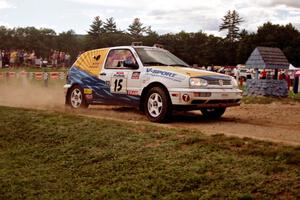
118	85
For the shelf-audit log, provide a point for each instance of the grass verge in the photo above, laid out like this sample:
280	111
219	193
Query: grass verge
46	155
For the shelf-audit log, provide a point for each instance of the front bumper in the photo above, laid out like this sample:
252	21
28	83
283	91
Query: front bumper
206	97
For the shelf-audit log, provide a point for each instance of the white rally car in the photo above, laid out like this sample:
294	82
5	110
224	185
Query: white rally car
151	78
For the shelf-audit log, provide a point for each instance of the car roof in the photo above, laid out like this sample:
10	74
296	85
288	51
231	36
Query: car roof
129	47
137	47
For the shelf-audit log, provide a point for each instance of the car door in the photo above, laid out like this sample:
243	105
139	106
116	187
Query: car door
121	74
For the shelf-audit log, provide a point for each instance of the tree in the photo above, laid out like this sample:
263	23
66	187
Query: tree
150	32
93	39
96	28
136	29
69	43
231	22
285	37
110	26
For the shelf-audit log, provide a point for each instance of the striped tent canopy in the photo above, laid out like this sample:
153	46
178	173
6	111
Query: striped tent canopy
267	58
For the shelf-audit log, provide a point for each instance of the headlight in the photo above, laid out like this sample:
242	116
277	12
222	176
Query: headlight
198	82
234	83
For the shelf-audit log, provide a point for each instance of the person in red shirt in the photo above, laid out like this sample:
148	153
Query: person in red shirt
263	74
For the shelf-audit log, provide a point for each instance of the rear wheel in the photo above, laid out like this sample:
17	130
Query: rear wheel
213	113
157	105
75	98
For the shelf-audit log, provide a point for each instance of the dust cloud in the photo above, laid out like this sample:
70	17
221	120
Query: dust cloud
28	94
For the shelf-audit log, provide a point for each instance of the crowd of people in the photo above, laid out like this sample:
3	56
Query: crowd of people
22	58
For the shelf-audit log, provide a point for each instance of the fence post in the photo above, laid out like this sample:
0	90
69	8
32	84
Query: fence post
45	77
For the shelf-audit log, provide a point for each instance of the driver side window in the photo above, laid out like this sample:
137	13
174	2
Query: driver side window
117	57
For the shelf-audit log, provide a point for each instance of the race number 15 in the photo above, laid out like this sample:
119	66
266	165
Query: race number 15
118	85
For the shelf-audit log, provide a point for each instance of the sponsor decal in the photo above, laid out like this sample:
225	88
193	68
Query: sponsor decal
135	75
133	92
160	72
87	91
97	57
97	61
186	97
119	74
175	94
89	96
165	74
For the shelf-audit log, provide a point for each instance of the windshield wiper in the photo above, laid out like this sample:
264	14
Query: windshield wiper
179	65
154	63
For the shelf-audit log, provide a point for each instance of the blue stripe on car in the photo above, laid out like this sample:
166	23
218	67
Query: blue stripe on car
101	91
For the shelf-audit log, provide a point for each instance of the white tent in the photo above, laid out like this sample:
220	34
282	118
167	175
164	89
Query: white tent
291	67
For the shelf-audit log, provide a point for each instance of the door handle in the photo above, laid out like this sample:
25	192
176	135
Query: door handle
103	74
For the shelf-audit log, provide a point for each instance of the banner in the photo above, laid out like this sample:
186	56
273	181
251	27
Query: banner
34	75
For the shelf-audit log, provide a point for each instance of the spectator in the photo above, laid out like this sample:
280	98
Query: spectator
26	57
67	59
21	57
282	76
6	58
13	58
55	58
0	59
62	58
263	74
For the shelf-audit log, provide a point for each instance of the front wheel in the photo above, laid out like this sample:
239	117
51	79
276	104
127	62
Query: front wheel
157	105
75	98
213	113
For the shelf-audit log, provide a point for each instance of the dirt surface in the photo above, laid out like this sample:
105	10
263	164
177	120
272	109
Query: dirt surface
276	122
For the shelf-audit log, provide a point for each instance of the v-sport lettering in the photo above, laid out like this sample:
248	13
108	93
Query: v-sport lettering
162	73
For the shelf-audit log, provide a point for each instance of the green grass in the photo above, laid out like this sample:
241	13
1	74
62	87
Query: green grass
48	155
294	96
259	99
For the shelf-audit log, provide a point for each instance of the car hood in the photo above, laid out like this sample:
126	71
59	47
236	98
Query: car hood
190	72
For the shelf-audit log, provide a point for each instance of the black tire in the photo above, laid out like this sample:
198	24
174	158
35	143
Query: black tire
157	105
75	98
213	113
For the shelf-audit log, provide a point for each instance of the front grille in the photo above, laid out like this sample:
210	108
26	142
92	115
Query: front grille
219	82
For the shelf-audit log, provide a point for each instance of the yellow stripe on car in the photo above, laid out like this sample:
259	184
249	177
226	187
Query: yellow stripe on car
92	61
185	71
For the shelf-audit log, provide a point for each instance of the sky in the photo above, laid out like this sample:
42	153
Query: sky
164	16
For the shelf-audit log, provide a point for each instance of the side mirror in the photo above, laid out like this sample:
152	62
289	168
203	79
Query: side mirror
130	65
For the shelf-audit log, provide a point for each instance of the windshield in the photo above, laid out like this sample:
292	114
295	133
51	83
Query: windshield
153	56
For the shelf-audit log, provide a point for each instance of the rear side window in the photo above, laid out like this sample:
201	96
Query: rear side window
117	57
